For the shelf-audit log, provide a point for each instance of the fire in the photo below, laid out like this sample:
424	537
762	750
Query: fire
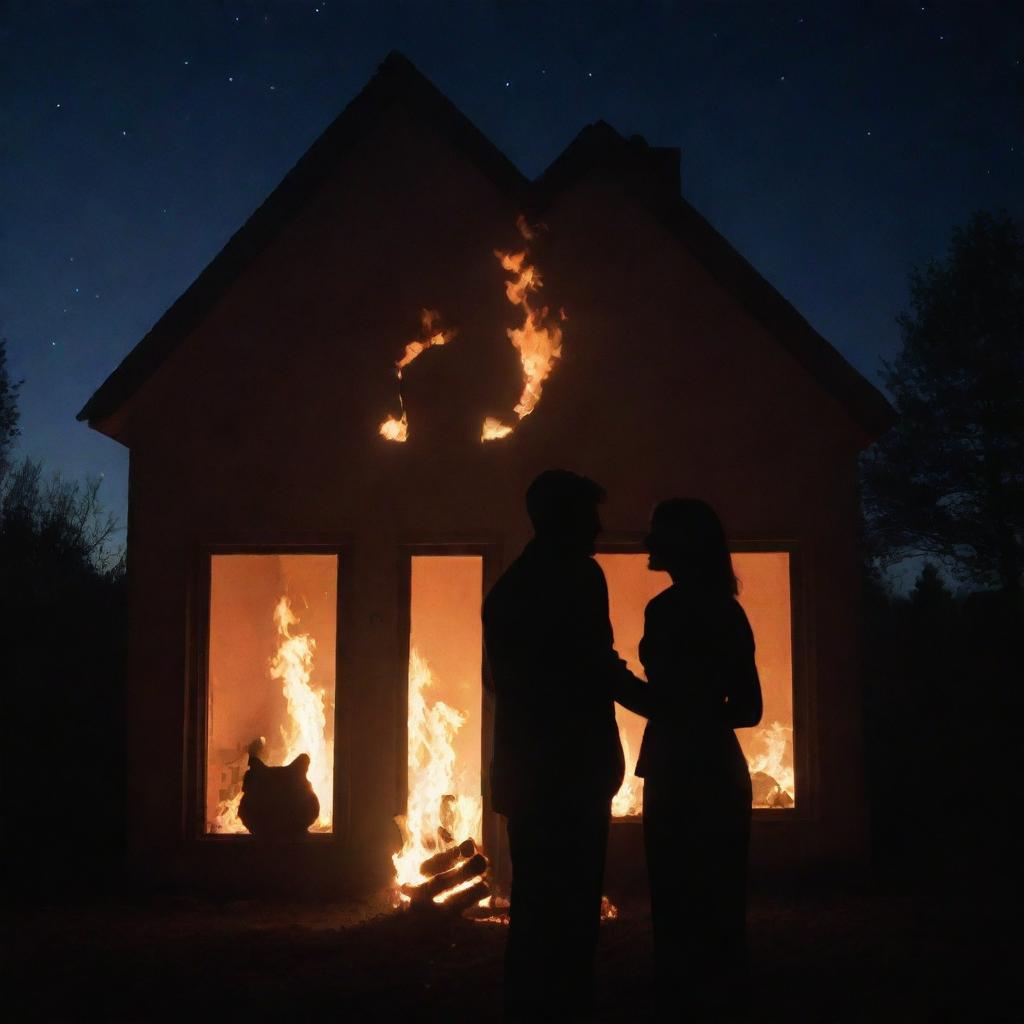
629	801
305	731
397	429
771	768
538	340
434	801
494	429
776	763
226	819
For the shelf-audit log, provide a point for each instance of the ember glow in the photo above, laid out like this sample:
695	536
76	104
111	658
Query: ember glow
397	429
538	339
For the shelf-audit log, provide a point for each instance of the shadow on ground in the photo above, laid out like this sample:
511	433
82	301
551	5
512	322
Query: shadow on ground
831	956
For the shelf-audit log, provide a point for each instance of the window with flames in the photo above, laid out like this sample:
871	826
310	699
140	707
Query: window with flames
270	693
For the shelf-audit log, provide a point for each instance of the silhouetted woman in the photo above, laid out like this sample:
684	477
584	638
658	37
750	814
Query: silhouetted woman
698	653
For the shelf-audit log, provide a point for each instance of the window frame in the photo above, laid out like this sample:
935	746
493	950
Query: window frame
804	733
194	804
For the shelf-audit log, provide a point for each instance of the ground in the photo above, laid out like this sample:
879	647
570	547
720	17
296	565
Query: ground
865	953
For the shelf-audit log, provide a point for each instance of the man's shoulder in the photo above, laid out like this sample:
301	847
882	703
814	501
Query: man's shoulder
531	575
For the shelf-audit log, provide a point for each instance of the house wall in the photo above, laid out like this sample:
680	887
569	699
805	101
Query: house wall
262	428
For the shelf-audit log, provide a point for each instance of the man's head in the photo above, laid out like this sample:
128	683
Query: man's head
563	509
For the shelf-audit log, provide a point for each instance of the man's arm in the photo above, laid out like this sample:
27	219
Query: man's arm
604	664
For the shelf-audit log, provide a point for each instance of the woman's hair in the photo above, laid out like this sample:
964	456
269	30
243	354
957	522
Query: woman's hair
689	529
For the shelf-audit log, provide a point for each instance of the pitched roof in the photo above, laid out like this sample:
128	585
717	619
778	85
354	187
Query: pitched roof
396	81
650	174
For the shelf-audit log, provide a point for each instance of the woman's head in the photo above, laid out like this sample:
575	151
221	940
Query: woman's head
687	541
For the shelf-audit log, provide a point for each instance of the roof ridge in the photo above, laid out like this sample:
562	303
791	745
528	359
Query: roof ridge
396	79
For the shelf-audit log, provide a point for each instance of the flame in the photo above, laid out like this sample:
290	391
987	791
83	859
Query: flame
776	760
629	801
494	430
226	820
432	781
305	731
397	429
538	341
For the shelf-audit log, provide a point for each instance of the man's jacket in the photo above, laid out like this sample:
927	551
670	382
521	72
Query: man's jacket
554	670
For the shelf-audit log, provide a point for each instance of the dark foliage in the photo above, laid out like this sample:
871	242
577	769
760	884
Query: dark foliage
941	722
62	630
8	411
948	481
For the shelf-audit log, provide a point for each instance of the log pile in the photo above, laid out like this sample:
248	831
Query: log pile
457	868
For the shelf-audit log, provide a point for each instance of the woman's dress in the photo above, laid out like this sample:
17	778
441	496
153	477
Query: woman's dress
698	655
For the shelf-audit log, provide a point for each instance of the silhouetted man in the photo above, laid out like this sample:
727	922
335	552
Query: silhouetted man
557	757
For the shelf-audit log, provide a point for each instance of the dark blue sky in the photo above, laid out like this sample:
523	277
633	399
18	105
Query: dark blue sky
834	144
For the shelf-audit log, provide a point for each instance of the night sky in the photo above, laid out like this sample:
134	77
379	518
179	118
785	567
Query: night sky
835	145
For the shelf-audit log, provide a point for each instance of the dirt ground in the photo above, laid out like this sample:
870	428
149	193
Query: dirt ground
829	956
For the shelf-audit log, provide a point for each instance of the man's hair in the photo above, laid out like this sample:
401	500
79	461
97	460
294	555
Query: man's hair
557	498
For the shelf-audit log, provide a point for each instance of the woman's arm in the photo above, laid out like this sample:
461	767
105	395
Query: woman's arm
742	685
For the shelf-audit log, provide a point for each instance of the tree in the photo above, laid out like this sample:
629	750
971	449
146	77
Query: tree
8	411
947	482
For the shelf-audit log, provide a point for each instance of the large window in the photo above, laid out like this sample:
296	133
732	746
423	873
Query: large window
765	596
445	709
271	683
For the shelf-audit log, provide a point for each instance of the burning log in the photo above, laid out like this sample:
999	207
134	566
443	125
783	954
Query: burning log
426	891
447	858
448	809
470	897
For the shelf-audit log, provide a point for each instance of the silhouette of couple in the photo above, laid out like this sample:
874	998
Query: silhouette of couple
558	760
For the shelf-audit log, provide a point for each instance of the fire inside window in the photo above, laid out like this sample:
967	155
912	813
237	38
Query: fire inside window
765	597
445	719
271	679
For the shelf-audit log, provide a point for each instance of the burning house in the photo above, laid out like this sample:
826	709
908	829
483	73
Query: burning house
331	432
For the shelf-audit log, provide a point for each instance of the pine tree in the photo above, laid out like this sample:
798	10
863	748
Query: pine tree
947	482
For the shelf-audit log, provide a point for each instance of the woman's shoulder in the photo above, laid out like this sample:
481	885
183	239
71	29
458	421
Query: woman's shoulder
667	601
715	615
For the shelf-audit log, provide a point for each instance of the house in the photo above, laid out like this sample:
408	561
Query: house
331	432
